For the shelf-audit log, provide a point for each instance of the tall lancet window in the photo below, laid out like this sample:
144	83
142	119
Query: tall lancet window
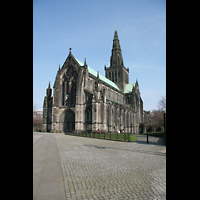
69	87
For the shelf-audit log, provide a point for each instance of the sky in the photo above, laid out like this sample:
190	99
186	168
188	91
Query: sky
87	27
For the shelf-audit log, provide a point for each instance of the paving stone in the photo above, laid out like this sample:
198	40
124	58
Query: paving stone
47	174
102	169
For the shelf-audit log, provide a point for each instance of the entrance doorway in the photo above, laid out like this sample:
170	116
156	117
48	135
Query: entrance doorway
141	128
67	121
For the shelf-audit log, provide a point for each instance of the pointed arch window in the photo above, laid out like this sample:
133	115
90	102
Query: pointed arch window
69	87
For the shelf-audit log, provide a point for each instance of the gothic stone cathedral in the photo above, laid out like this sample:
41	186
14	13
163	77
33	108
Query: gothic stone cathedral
84	100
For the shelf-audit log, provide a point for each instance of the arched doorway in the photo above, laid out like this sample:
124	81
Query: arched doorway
67	121
141	128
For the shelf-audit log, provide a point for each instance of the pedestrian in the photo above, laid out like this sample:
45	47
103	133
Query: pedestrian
98	131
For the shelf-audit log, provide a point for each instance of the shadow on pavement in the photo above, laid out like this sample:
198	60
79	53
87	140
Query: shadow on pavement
142	139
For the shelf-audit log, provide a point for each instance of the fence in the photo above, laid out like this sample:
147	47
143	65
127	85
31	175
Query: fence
126	137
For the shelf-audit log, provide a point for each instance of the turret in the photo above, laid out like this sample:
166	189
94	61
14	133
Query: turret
47	110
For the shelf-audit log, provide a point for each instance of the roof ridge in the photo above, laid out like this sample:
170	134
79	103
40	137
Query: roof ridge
101	77
79	62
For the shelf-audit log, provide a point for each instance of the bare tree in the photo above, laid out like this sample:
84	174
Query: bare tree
157	119
162	104
37	119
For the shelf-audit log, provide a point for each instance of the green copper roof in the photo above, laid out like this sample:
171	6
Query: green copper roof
104	79
79	62
129	87
109	82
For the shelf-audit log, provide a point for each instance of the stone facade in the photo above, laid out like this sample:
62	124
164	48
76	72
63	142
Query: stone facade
84	100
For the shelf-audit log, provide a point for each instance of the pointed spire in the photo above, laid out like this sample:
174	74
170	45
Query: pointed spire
116	35
48	91
49	85
116	44
59	68
85	61
116	59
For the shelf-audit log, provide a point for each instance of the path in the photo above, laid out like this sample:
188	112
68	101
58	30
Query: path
47	174
99	169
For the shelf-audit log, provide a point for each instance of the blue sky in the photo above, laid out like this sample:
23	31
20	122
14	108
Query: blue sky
88	26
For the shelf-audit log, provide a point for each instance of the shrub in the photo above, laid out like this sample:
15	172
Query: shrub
156	134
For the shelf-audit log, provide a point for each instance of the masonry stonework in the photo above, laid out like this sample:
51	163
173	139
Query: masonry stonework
83	100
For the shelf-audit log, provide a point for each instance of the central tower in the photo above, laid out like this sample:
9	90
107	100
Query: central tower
117	72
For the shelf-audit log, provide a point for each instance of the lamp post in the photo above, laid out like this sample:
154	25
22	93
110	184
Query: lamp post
131	128
147	131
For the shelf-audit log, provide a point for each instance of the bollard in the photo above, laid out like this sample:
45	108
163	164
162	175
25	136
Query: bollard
147	138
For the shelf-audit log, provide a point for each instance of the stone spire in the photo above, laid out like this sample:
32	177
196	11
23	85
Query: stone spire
117	72
116	59
49	91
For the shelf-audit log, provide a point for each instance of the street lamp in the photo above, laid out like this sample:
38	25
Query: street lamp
147	131
131	128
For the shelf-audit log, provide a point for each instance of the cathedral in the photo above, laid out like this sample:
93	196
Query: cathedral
84	100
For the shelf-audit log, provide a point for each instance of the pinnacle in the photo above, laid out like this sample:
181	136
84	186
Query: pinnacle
116	35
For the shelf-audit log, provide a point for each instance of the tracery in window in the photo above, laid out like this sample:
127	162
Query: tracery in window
69	87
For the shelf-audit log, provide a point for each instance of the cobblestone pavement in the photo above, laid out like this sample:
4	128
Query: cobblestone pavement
102	169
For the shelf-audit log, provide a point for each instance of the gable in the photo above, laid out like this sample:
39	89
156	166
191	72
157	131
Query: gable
71	60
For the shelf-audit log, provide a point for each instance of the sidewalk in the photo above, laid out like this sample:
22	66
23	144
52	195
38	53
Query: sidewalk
47	174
